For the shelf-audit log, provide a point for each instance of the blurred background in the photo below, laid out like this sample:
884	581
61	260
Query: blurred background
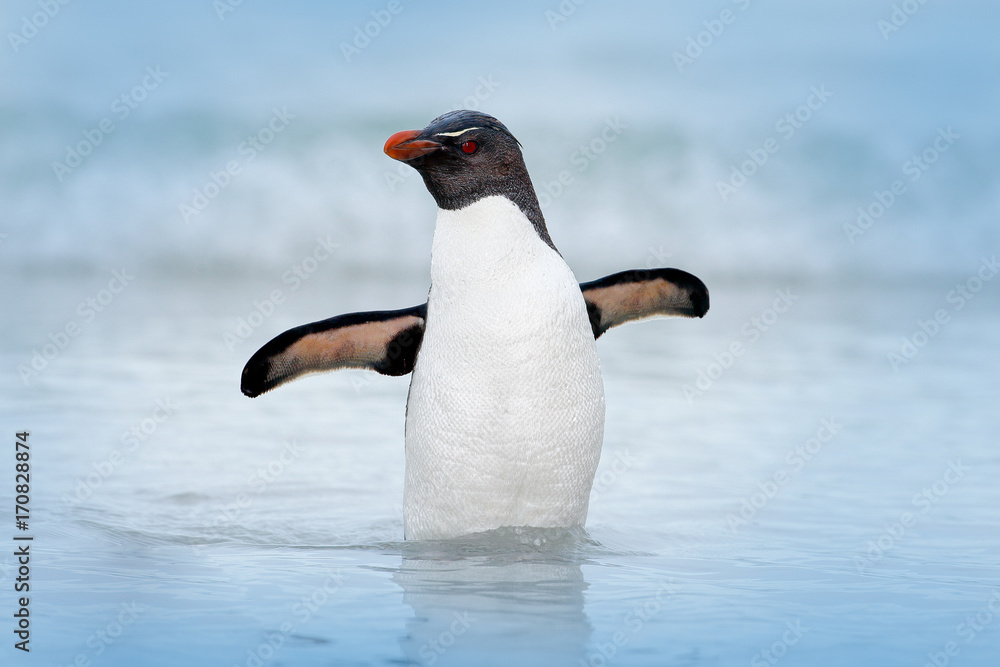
180	182
684	115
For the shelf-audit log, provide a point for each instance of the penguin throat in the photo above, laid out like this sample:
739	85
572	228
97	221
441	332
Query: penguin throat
516	186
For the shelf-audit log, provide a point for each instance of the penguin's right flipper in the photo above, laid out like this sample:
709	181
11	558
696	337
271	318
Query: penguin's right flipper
639	294
382	341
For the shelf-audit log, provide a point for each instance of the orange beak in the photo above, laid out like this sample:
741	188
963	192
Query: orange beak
404	146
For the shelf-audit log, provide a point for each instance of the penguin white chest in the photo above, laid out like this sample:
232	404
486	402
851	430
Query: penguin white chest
505	417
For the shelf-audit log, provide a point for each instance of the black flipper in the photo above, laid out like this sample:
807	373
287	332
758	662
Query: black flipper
638	294
388	341
382	341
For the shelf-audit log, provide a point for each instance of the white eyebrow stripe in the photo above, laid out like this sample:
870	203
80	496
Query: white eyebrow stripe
455	134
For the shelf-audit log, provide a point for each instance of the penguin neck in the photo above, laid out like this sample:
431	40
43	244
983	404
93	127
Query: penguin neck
487	244
454	193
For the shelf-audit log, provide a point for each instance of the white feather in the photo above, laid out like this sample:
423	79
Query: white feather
455	134
505	416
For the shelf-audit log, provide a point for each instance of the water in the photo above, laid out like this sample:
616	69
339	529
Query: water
804	483
675	135
235	517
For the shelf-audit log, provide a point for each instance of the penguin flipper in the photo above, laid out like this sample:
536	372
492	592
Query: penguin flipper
640	293
383	341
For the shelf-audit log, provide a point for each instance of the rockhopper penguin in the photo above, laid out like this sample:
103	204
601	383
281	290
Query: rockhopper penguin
505	414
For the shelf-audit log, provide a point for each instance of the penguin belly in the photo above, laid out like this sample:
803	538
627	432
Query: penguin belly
505	415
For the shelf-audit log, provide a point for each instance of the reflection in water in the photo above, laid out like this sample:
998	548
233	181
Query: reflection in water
511	592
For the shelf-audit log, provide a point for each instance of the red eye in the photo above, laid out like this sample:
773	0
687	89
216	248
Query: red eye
469	147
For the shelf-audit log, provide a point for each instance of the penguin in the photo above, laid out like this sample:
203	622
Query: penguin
505	411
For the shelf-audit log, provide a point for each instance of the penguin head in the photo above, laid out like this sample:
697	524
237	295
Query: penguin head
464	156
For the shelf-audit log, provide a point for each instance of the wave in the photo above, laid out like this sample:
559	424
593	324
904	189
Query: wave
751	161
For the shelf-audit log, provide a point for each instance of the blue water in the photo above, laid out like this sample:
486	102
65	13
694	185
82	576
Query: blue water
805	477
234	517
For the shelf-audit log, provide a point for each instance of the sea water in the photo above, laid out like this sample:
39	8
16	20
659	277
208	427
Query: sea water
801	497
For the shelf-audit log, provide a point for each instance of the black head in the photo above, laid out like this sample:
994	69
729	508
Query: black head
464	156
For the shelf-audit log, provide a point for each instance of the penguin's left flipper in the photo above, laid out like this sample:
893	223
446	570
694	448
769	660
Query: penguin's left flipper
638	294
382	341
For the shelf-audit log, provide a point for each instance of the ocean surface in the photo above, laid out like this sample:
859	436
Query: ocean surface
806	476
